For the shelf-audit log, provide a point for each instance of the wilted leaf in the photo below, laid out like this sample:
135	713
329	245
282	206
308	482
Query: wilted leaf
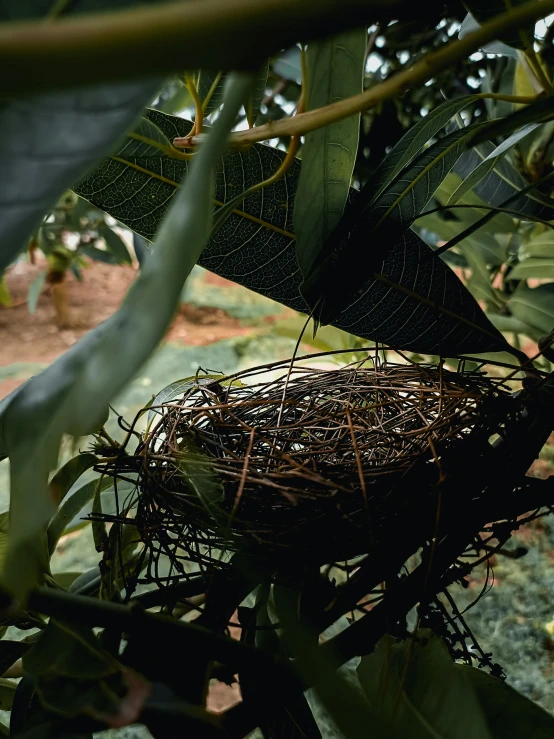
49	141
334	72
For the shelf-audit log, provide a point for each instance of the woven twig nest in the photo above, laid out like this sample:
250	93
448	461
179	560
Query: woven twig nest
298	462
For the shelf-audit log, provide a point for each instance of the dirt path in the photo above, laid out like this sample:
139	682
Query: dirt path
35	338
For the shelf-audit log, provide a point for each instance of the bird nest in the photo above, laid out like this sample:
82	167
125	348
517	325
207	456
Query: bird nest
297	462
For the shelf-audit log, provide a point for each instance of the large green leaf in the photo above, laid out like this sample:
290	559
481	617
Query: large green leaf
533	268
491	161
334	72
534	306
484	10
413	300
509	714
413	142
49	141
73	394
416	686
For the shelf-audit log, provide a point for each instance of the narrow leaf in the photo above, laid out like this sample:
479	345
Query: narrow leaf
116	245
35	290
334	72
484	10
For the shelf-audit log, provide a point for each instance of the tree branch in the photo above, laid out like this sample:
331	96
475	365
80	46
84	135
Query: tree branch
417	74
212	34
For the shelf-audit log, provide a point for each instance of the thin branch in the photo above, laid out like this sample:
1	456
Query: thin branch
419	73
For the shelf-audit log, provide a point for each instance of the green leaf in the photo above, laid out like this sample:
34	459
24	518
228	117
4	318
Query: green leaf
469	25
258	93
540	247
67	476
256	247
5	295
415	685
529	268
288	65
534	306
72	671
7	693
72	506
35	291
73	394
334	72
414	141
116	245
490	162
49	141
10	652
210	84
177	389
484	10
509	714
66	579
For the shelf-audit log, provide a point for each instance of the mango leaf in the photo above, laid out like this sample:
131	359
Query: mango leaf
210	86
5	294
415	685
73	394
533	268
73	674
49	141
72	506
484	10
414	141
255	247
254	103
7	693
10	652
534	306
35	290
503	182
67	476
288	65
541	246
469	24
334	72
490	162
509	714
116	245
